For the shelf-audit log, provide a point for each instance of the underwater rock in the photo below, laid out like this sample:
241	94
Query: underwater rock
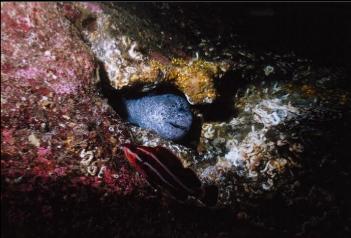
279	141
60	148
286	133
54	127
168	115
134	53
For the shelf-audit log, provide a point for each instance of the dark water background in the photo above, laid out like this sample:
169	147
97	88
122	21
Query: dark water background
318	31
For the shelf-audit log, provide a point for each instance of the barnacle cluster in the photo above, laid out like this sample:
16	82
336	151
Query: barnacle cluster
262	145
91	166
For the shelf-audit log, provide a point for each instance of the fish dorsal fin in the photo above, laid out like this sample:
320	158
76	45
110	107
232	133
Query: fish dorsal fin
165	156
186	175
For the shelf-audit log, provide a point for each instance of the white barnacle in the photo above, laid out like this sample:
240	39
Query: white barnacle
247	108
86	161
252	174
101	172
92	169
134	54
189	99
247	91
125	40
208	100
268	185
272	112
47	53
34	140
281	142
276	87
275	119
268	167
268	70
209	131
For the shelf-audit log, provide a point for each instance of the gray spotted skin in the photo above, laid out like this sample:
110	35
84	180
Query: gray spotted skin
168	115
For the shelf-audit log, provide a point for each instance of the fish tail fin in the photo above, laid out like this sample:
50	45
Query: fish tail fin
209	195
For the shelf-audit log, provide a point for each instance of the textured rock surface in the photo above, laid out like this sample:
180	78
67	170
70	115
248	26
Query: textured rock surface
57	136
51	114
62	173
135	53
278	154
283	136
168	115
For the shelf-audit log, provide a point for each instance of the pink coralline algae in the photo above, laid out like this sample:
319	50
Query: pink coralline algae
7	136
50	111
28	73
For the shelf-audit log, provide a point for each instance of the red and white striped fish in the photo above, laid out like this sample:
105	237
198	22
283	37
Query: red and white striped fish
163	170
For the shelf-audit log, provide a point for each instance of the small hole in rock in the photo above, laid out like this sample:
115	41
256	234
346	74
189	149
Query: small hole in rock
220	110
89	23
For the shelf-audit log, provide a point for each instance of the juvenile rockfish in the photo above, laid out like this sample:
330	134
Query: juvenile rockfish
163	170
